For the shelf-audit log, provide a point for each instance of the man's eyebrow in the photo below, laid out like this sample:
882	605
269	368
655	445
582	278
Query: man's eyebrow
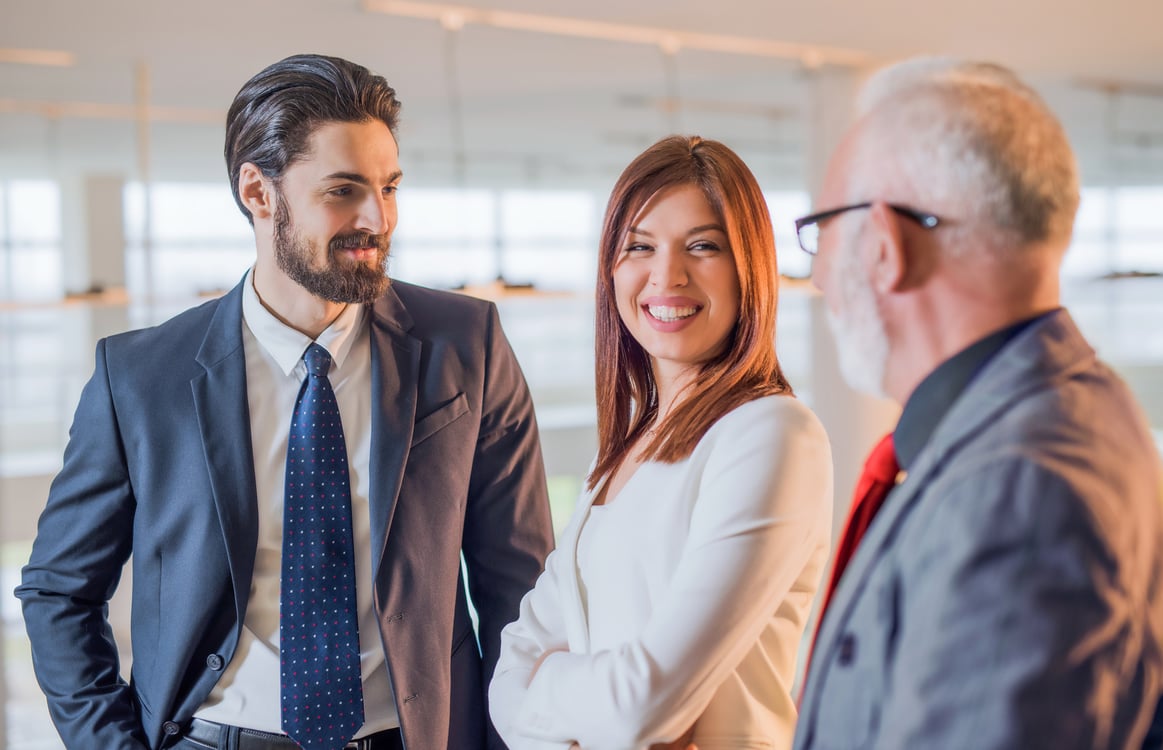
359	178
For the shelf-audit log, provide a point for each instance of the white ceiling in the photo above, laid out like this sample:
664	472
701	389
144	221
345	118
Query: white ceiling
552	110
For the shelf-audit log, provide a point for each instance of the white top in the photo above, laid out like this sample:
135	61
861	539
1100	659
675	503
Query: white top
247	694
589	551
699	578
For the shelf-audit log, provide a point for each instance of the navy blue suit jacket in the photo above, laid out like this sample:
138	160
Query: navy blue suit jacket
159	467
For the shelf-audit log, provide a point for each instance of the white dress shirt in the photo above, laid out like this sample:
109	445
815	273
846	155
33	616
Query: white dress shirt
682	600
247	694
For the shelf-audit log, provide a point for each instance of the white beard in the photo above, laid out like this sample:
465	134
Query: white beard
861	341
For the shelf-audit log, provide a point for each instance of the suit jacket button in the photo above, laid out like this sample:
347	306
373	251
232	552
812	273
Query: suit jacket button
847	649
171	728
215	662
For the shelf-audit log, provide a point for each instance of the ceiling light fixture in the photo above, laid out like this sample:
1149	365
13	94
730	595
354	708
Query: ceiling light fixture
1115	86
99	111
52	57
666	39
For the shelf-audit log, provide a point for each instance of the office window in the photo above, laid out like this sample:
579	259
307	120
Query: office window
200	242
1118	230
550	238
792	337
1090	253
785	207
457	237
30	240
445	237
1140	224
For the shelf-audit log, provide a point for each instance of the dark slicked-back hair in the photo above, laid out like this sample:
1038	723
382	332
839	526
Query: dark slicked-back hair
274	114
746	369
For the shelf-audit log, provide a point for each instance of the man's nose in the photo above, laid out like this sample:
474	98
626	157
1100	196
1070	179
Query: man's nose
377	215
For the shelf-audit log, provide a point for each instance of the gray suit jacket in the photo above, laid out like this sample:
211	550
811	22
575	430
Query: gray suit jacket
1009	593
159	466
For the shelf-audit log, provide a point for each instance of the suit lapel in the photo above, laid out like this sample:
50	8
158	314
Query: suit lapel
395	379
223	412
574	614
1050	348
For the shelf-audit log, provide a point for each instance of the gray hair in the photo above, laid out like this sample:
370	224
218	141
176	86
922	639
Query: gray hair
973	140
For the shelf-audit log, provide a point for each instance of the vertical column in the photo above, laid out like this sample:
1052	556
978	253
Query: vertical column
93	233
831	98
854	420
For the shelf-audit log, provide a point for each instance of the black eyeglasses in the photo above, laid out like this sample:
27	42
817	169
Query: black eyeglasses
808	228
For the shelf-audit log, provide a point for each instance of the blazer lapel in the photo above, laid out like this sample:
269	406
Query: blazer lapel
223	413
1049	348
395	379
574	614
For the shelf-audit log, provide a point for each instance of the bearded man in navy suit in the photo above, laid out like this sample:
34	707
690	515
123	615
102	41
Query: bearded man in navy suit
178	453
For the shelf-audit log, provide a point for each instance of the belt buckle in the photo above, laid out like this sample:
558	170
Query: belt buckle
362	743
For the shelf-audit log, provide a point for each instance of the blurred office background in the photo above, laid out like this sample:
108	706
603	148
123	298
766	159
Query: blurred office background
518	116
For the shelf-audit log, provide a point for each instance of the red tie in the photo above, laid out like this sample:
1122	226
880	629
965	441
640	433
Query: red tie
878	477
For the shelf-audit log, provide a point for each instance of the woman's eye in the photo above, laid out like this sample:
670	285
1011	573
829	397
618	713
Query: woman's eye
635	248
704	247
340	192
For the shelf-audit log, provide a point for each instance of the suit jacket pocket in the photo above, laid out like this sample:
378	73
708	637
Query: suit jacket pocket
439	419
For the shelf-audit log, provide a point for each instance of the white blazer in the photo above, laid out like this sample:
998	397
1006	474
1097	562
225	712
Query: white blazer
690	600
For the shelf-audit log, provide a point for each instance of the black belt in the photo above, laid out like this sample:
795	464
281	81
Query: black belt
213	735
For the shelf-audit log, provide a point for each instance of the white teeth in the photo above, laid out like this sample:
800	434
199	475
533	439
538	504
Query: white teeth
670	314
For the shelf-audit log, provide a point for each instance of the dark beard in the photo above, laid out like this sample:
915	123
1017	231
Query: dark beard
356	283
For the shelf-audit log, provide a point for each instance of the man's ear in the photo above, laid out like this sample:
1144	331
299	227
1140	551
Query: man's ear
890	262
256	191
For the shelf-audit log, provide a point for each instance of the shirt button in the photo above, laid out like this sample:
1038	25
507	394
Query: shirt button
171	728
847	649
215	662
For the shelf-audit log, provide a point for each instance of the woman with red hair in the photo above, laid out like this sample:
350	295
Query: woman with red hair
673	609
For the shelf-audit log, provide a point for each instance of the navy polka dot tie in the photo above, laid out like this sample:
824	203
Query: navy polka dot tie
322	691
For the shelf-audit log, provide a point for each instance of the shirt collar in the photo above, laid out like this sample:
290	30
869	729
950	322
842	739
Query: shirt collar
934	397
285	344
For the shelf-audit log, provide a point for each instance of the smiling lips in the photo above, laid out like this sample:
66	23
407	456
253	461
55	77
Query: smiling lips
670	314
359	254
359	246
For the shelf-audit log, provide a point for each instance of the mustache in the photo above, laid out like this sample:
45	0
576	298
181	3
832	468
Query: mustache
382	242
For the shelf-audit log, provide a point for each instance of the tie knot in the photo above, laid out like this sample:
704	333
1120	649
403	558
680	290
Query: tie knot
318	361
881	464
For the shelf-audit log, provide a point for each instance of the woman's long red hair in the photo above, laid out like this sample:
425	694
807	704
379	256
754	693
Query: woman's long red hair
747	367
